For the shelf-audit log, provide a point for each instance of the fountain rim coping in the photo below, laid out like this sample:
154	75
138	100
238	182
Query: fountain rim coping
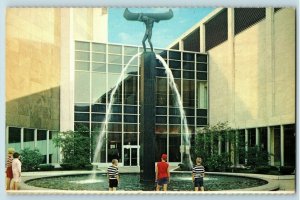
272	184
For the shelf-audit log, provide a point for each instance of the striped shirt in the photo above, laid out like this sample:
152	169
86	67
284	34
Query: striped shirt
9	161
112	172
198	171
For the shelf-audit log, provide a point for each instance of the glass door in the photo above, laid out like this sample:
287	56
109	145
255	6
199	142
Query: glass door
130	155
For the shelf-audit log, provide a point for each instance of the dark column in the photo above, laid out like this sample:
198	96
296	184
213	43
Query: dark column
147	117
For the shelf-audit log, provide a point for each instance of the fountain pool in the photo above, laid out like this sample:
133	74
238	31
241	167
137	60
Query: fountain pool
131	182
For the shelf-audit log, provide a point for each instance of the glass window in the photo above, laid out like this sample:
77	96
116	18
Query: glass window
188	95
116	109
176	73
79	55
114	143
133	62
130	90
201	94
202	76
28	135
188	66
130	138
102	152
99	108
174	147
113	79
98	117
202	67
189	111
189	56
161	72
116	59
114	68
14	135
80	65
82	86
160	145
201	58
159	129
100	67
115	118
161	110
192	42
130	127
96	126
130	109
173	98
175	129
130	118
41	135
82	116
82	46
82	107
175	55
174	120
132	70
130	50
99	57
161	119
99	47
201	121
174	111
175	64
116	49
114	127
161	91
202	112
188	74
99	89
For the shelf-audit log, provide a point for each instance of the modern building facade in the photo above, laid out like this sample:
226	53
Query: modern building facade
98	68
252	67
235	65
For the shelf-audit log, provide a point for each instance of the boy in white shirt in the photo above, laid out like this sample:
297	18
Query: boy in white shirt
16	168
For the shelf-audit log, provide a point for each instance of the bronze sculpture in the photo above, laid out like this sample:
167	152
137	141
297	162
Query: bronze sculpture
148	19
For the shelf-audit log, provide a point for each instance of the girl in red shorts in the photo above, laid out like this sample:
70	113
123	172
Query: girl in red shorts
9	173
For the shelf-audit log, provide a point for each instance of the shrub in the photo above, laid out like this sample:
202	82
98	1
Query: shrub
286	170
75	148
31	159
265	169
45	167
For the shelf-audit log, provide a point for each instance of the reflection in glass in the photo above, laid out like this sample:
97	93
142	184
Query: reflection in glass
114	143
99	47
188	94
201	94
98	87
174	147
82	86
79	55
80	65
130	90
85	46
161	91
100	67
116	49
113	78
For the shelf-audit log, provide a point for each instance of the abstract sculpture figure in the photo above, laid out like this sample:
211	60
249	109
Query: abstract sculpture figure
148	19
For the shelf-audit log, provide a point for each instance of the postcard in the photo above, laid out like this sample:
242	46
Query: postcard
151	100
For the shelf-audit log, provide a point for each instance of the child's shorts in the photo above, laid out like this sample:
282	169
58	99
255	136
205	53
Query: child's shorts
162	181
113	183
198	182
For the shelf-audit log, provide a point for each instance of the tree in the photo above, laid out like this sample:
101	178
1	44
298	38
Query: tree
75	148
31	159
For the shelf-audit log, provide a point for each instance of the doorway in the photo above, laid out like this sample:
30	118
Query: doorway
131	155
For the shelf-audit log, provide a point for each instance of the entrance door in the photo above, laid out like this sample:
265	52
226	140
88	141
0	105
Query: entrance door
130	155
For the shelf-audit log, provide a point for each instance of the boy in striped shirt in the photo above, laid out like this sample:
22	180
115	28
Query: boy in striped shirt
198	174
113	175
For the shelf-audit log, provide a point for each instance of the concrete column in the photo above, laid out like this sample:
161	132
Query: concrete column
269	63
47	152
231	62
67	71
281	145
35	138
219	145
270	145
246	145
22	138
257	137
202	38
237	160
227	143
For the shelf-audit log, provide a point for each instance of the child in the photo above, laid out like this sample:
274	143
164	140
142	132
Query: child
9	173
113	175
198	174
16	169
162	173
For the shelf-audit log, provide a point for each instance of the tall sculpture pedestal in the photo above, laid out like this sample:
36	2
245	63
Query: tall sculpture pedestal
147	117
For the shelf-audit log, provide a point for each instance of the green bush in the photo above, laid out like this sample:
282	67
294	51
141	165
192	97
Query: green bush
266	169
31	159
286	170
88	167
45	167
217	162
257	157
75	148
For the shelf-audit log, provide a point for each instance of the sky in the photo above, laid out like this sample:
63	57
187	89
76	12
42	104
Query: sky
164	33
